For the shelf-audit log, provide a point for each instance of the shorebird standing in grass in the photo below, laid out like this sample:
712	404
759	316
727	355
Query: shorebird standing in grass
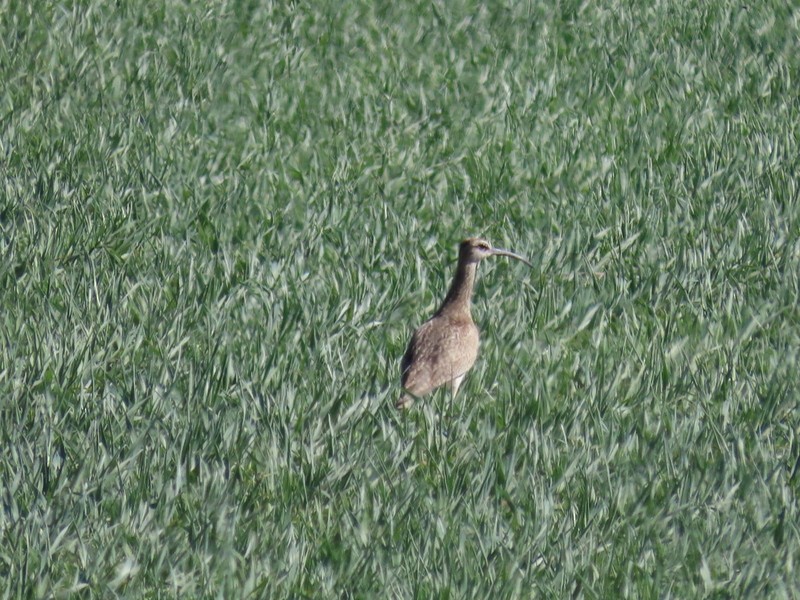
445	346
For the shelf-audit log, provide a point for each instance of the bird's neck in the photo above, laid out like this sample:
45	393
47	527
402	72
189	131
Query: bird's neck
457	301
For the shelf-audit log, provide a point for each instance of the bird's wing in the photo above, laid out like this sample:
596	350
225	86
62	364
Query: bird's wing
437	354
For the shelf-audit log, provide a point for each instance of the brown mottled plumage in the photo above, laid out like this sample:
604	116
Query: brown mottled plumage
445	347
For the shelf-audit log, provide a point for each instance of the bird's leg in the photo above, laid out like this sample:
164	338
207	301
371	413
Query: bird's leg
455	383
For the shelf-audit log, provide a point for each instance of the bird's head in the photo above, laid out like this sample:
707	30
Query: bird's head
474	250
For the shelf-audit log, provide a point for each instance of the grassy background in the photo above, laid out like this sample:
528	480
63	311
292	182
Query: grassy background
221	222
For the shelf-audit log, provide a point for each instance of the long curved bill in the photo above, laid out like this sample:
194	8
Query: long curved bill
508	253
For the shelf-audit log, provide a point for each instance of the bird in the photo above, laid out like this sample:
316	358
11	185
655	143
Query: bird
445	347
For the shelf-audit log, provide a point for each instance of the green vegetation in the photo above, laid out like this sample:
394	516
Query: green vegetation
221	222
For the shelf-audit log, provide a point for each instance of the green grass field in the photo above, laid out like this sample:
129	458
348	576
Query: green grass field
222	221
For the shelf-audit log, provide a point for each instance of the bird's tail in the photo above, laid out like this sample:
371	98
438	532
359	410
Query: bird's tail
405	401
